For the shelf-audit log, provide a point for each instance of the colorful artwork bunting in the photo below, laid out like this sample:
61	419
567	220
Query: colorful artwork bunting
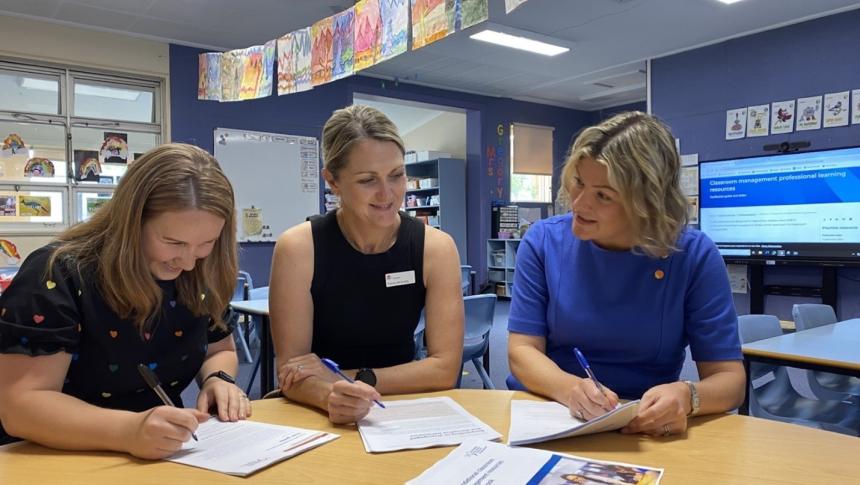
343	40
231	74
209	76
394	16
474	12
368	28
429	22
511	5
321	51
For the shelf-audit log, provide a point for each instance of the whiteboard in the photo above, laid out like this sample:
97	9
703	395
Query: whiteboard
275	178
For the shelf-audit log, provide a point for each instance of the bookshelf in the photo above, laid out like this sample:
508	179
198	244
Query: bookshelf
436	194
501	261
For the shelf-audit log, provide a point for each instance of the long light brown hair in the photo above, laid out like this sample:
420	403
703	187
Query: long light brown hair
643	165
349	125
171	177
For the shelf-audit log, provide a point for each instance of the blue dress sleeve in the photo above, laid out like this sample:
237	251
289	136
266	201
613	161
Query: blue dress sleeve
711	323
530	295
39	315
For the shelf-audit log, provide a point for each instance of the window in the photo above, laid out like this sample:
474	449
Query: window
531	163
62	155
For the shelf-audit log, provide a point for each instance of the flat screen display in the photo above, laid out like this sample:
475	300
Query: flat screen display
781	209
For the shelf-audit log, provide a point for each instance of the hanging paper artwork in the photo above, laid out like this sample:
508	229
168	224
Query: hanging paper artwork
286	65
855	109
34	206
454	11
836	107
231	74
321	38
474	12
114	149
252	72
736	123
8	206
12	145
209	76
39	167
266	81
429	22
808	113
394	15
782	117
294	62
758	119
87	166
343	40
511	5
367	33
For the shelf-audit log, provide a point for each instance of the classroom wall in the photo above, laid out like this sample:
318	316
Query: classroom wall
693	90
487	126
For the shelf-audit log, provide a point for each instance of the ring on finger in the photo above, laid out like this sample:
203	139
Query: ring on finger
299	367
666	431
579	415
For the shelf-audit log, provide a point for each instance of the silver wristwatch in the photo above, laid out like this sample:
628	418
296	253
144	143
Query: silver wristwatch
694	398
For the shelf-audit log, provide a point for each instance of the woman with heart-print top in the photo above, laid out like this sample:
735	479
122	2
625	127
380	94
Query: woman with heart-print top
144	281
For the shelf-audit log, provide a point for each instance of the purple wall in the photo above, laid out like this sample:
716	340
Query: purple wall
193	121
693	90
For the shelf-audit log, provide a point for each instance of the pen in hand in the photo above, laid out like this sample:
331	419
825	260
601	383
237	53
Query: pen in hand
154	384
587	368
336	369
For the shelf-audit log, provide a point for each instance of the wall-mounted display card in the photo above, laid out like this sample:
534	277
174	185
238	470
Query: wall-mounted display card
692	209
836	108
758	118
781	117
690	180
809	113
855	110
736	123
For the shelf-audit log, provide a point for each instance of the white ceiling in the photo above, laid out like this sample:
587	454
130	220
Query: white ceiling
610	39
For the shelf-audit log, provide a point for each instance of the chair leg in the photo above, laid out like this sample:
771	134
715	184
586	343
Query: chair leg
485	378
239	337
253	375
460	377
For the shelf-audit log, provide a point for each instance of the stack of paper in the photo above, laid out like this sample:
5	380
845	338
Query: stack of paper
481	462
537	421
420	423
243	447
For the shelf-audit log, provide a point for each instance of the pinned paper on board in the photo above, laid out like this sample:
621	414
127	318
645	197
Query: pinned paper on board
87	166
758	120
855	106
252	221
836	107
693	209
690	180
809	113
736	123
12	144
39	167
34	206
782	117
738	277
8	205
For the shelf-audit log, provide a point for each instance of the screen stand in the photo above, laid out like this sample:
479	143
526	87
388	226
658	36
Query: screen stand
827	291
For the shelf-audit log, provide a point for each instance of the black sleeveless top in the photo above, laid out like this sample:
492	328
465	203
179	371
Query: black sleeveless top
365	312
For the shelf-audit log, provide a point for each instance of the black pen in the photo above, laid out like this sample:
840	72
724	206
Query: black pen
154	384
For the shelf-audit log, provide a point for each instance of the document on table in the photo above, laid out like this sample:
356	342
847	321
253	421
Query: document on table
477	462
420	423
243	447
537	421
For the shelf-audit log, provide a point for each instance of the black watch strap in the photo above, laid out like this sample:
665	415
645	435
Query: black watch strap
367	376
221	375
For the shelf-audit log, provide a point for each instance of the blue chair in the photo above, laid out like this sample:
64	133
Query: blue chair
771	395
243	285
466	279
479	310
420	349
824	385
260	293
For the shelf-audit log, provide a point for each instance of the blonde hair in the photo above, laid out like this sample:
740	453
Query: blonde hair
349	125
643	165
171	177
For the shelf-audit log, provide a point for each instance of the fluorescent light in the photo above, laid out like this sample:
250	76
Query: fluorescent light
729	2
519	42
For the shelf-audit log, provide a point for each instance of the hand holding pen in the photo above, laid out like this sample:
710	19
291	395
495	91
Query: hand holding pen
336	369
154	384
589	401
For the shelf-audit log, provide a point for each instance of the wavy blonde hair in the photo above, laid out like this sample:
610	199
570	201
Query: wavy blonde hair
349	125
643	165
171	177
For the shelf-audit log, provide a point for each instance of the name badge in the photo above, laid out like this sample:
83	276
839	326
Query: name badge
400	279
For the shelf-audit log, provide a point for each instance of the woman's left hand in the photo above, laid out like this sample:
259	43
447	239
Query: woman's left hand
662	411
230	401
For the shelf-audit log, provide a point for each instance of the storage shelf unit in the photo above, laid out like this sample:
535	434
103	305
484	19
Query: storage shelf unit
501	261
450	212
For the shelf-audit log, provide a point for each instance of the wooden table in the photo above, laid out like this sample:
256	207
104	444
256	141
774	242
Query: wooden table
830	348
723	449
260	308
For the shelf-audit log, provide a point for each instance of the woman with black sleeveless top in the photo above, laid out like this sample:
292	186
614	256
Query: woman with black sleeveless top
350	285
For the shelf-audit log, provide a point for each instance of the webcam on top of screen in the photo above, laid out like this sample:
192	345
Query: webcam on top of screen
786	147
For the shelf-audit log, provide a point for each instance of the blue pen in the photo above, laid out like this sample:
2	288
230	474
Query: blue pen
336	369
584	364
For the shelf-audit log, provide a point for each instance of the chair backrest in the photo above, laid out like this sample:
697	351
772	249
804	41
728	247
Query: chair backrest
260	293
479	315
466	278
811	315
241	280
758	327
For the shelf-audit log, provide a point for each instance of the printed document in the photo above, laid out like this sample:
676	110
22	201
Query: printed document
477	462
243	447
537	421
420	423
